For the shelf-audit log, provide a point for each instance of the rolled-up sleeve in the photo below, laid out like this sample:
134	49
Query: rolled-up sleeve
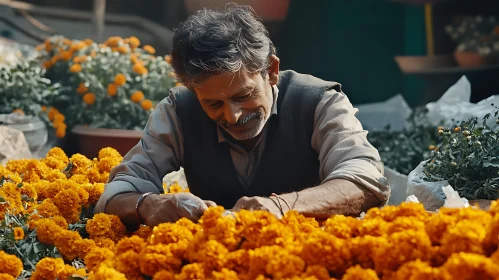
159	152
343	149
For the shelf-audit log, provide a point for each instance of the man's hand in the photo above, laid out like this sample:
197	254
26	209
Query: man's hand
258	203
157	209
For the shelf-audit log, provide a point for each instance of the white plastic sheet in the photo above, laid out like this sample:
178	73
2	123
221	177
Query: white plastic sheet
398	186
376	116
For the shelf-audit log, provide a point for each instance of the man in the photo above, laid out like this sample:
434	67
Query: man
248	135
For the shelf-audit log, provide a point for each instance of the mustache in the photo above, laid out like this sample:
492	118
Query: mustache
241	121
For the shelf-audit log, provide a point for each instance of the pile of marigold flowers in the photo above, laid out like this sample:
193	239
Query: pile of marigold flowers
49	202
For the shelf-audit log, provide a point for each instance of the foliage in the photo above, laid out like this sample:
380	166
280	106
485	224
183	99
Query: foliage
402	151
24	87
468	157
110	85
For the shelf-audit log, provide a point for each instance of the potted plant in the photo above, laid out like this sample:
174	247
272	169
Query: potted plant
109	89
477	40
25	91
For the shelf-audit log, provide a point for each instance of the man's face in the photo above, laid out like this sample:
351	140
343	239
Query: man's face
240	102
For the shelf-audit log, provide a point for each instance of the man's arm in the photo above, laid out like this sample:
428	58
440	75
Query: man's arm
350	169
159	152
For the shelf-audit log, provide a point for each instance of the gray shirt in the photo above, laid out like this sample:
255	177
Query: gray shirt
338	138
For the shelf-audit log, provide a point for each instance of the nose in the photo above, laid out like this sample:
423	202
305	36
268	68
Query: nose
232	112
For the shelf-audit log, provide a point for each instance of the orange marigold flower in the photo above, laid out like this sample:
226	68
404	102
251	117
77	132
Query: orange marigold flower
66	56
75	68
84	247
52	112
140	69
67	41
19	112
134	42
79	59
48	268
317	271
99	225
78	46
112	89
44	108
120	79
105	272
10	264
5	276
146	104
134	58
60	221
342	227
18	233
225	274
466	236
143	232
149	49
88	41
122	49
471	266
89	98
114	41
168	58
47	64
133	243
178	84
97	256
284	265
419	270
164	275
137	96
104	242
357	272
192	271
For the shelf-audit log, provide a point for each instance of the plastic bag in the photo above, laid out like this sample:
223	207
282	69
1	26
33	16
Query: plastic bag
455	104
428	193
377	116
398	186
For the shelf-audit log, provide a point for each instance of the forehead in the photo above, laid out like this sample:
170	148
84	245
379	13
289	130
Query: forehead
227	85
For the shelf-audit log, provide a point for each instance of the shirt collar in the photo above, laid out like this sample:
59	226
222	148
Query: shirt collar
275	92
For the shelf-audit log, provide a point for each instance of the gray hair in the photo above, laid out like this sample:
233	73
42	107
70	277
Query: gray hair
211	43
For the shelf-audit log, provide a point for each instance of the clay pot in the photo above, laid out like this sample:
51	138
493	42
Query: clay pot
92	140
473	59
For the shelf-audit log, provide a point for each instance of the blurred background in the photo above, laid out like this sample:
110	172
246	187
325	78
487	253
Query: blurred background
352	42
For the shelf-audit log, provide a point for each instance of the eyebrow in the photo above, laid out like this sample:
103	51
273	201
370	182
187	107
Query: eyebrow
243	90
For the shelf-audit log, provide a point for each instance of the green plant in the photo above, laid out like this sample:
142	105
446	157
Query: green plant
110	85
404	150
468	158
476	34
24	87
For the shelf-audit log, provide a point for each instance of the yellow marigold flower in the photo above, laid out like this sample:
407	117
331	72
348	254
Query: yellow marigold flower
223	229
5	276
104	242
99	225
118	229
60	221
84	247
164	275
58	153
134	58
491	239
317	271
128	264
47	209
75	68
108	163
149	49
67	201
79	59
373	227
137	96
146	104
419	270
324	249
47	230
471	266
94	191
66	243
155	258
143	232
285	265
48	268
97	256
237	260
192	271
188	224
225	274
10	264
109	152
120	79
105	272
18	233
89	98
59	117
133	243
466	236
169	233
66	272
122	49
112	89
342	227
140	69
114	41
357	272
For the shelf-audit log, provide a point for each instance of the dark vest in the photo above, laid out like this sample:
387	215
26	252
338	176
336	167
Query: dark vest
289	163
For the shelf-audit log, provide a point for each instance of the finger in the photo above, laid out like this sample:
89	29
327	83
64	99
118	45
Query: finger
210	203
242	203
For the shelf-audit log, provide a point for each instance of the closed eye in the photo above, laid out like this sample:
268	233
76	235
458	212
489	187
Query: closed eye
215	105
243	97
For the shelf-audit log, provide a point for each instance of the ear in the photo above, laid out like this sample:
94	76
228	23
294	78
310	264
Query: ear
273	70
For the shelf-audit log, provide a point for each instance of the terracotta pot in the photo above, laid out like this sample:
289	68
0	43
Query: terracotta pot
472	59
275	10
415	64
92	140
